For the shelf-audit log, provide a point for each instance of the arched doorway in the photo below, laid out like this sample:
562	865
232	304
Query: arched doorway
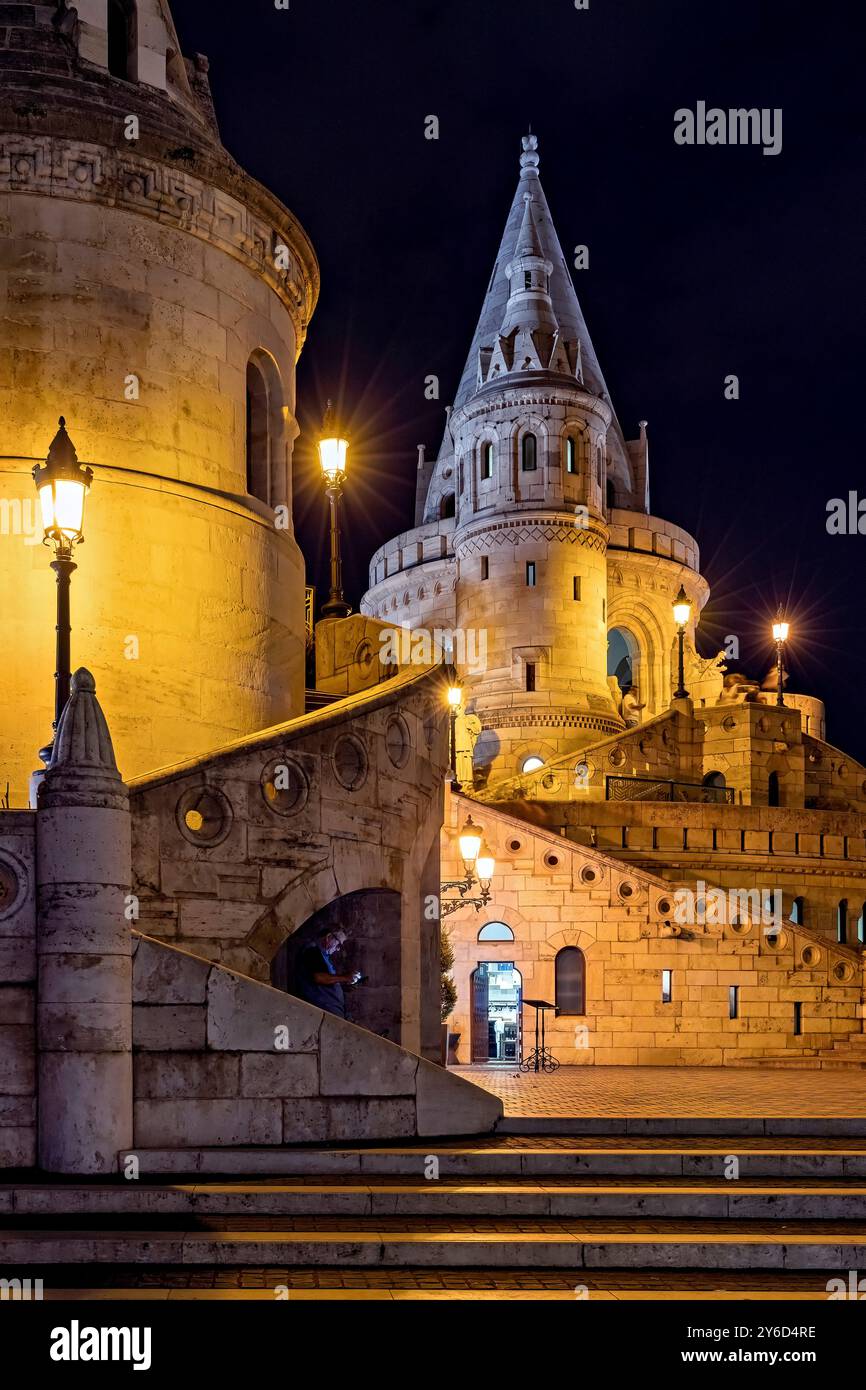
371	919
623	658
496	993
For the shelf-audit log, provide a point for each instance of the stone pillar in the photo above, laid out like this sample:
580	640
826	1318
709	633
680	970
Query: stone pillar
84	946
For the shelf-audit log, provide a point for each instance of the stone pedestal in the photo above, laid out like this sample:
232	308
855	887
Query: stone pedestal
84	946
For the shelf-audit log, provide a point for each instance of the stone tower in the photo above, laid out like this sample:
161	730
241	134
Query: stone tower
514	519
158	297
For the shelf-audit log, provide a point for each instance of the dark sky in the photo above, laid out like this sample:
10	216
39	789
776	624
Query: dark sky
703	261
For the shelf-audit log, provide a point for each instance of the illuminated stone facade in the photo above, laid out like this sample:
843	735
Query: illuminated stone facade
145	283
553	584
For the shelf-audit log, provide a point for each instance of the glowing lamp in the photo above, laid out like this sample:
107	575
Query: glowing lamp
455	695
485	864
780	631
682	608
470	842
62	484
333	450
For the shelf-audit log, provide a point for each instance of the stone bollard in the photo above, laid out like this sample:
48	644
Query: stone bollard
84	946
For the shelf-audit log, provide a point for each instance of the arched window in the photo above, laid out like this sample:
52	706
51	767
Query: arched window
861	925
798	912
611	495
570	981
599	462
487	460
265	454
571	454
715	779
532	763
529	453
447	506
842	922
496	931
258	434
123	39
773	789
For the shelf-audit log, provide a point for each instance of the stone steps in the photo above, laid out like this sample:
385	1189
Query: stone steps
665	1198
456	1243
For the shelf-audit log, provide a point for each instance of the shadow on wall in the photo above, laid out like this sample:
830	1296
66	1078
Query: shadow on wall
372	919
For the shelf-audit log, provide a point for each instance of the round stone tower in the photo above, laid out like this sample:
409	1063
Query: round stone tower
530	539
157	297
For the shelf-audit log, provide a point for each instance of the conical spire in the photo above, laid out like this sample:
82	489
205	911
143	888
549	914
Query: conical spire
530	223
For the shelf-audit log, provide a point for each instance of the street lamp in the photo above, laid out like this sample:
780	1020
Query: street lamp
62	484
333	451
780	637
455	695
480	866
682	613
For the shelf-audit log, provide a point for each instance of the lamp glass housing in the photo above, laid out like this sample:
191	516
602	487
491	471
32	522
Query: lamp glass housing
682	608
455	695
62	504
333	453
470	842
485	864
780	632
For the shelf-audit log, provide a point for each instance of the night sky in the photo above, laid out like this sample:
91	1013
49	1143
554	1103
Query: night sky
703	261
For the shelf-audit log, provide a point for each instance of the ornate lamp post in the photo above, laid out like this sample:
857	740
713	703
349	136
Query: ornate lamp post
455	695
780	637
480	866
62	484
333	451
682	613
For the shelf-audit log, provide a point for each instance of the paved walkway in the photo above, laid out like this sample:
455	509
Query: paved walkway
675	1092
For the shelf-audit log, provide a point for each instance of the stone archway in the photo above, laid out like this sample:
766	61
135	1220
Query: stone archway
371	916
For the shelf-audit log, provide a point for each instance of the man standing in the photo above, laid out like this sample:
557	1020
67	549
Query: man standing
316	978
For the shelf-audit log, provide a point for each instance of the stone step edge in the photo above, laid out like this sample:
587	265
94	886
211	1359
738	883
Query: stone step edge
380	1294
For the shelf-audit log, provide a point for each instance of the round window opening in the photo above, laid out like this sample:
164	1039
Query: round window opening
514	846
285	787
350	762
204	816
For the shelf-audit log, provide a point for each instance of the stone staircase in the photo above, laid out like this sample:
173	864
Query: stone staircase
528	1216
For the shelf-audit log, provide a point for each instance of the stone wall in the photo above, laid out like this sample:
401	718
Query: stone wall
220	1059
553	894
17	990
235	852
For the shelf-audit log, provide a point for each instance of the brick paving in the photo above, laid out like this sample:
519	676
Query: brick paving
674	1093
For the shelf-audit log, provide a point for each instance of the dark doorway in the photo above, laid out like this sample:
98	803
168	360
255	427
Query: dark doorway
773	789
372	919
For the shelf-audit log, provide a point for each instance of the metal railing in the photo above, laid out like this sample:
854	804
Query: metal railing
657	789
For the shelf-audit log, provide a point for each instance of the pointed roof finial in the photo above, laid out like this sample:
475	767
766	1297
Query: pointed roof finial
529	160
61	449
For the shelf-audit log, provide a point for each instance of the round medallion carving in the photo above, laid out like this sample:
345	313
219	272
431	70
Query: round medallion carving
398	743
13	886
285	786
350	762
204	816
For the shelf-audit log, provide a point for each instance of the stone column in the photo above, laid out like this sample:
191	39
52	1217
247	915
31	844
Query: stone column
84	946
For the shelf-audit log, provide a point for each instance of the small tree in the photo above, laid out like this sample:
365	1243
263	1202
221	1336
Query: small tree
448	995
